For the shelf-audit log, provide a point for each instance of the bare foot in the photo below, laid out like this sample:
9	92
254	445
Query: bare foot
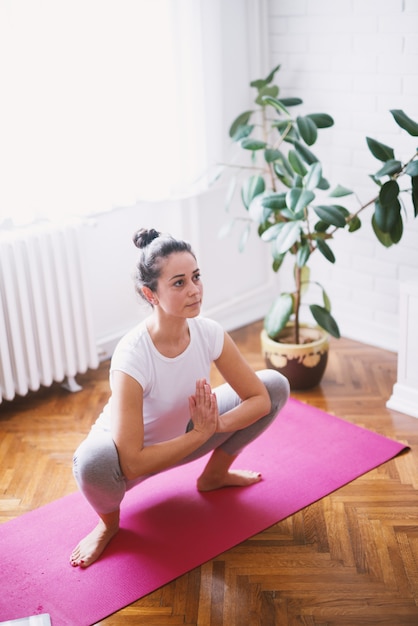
91	547
233	478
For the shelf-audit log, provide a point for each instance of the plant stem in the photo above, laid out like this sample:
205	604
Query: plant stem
298	283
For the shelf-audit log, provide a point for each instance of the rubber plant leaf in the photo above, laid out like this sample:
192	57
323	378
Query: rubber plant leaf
405	122
275	201
297	199
412	168
242	132
276	104
321	120
251	188
392	166
291	102
386	214
241	120
340	191
332	214
307	129
244	238
325	320
287	236
380	150
267	90
415	194
296	163
314	176
278	315
303	255
305	154
253	144
271	155
354	224
325	250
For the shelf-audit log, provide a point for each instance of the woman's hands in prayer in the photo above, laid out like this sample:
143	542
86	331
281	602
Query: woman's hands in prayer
204	409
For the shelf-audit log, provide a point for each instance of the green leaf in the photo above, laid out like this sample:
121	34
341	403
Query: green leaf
314	176
287	236
278	315
324	249
242	132
267	90
275	201
241	120
307	129
397	230
386	214
405	122
392	166
272	73
251	188
271	155
340	191
244	238
277	261
389	192
271	233
380	150
303	255
276	104
297	199
253	144
296	163
412	168
387	239
323	184
321	120
331	214
354	224
415	194
325	320
291	102
260	83
305	154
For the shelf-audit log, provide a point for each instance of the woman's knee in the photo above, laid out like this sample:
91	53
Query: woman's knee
96	460
277	386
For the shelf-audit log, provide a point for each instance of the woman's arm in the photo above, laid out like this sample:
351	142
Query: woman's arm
242	378
128	428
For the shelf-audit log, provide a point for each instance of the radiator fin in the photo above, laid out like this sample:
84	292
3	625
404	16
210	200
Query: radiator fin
46	330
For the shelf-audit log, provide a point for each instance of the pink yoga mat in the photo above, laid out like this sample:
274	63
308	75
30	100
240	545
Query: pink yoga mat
168	527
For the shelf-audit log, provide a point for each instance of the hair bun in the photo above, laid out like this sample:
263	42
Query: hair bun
143	237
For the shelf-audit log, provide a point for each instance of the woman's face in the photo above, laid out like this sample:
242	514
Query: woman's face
180	289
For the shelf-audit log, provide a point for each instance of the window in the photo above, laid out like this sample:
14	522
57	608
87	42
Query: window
102	104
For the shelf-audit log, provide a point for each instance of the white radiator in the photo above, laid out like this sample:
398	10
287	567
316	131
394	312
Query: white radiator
46	332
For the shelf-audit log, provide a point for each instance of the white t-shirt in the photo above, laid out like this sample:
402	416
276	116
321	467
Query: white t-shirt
167	382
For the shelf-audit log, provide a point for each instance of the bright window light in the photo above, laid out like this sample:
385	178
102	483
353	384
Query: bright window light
101	106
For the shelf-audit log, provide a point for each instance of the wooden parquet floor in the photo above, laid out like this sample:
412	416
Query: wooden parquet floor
350	559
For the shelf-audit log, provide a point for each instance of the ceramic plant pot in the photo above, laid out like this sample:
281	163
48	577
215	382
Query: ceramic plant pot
303	364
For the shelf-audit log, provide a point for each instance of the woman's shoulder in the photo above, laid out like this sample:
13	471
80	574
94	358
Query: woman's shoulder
206	324
133	337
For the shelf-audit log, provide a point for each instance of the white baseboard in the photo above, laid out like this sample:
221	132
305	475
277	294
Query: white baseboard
404	399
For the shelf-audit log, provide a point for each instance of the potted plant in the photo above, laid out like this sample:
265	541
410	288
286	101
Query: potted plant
281	182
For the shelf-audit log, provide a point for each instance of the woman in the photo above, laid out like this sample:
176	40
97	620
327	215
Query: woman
162	411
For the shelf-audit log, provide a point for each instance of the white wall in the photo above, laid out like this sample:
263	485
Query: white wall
355	59
237	286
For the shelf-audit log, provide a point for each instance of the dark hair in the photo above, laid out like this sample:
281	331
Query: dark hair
154	246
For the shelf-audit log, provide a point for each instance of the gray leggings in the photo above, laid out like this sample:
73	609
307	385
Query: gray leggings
96	463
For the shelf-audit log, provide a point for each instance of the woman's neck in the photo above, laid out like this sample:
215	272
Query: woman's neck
170	337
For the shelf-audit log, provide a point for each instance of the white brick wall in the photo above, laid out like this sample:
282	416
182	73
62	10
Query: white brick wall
355	59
